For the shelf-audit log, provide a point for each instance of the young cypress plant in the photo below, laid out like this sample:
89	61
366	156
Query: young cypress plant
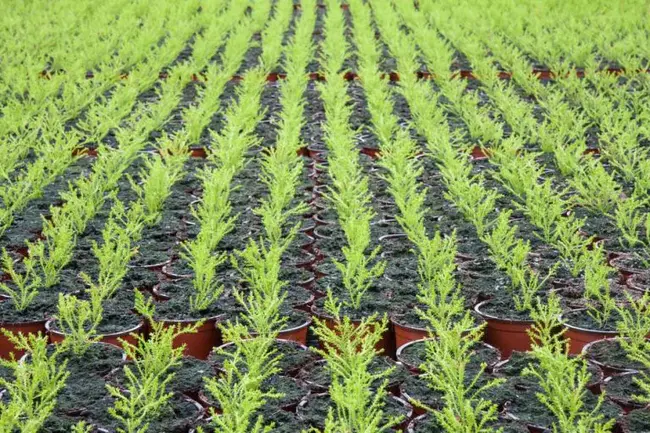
634	328
122	229
55	251
78	320
26	283
349	191
145	394
239	390
563	379
448	355
37	382
348	349
157	178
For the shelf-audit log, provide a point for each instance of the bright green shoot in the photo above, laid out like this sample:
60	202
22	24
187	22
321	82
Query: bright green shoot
26	284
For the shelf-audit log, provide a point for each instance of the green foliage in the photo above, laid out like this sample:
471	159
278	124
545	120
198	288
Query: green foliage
511	255
438	290
204	263
445	369
544	207
122	229
597	190
563	379
518	173
78	320
597	287
634	328
37	382
474	200
214	210
348	349
629	220
238	390
53	253
260	266
157	178
145	394
572	244
26	284
349	190
82	427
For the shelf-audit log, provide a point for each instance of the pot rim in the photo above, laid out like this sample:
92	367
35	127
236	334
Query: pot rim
295	328
585	330
124	357
207	320
152	266
50	329
394	318
167	272
621	256
279	340
602	340
487	316
632	281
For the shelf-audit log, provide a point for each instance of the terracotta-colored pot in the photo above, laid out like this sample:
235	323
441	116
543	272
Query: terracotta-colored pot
417	410
411	428
385	344
114	338
506	335
305	306
26	356
372	152
461	258
318	204
413	424
479	154
200	412
200	343
310	151
209	404
307	262
626	402
168	271
322	231
409	410
306	375
158	295
308	283
416	368
7	347
405	334
639	282
198	152
580	337
398	355
594	385
618	262
389	237
297	333
608	370
627	423
152	267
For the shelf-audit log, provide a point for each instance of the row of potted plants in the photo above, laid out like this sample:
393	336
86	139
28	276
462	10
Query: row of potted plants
85	199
